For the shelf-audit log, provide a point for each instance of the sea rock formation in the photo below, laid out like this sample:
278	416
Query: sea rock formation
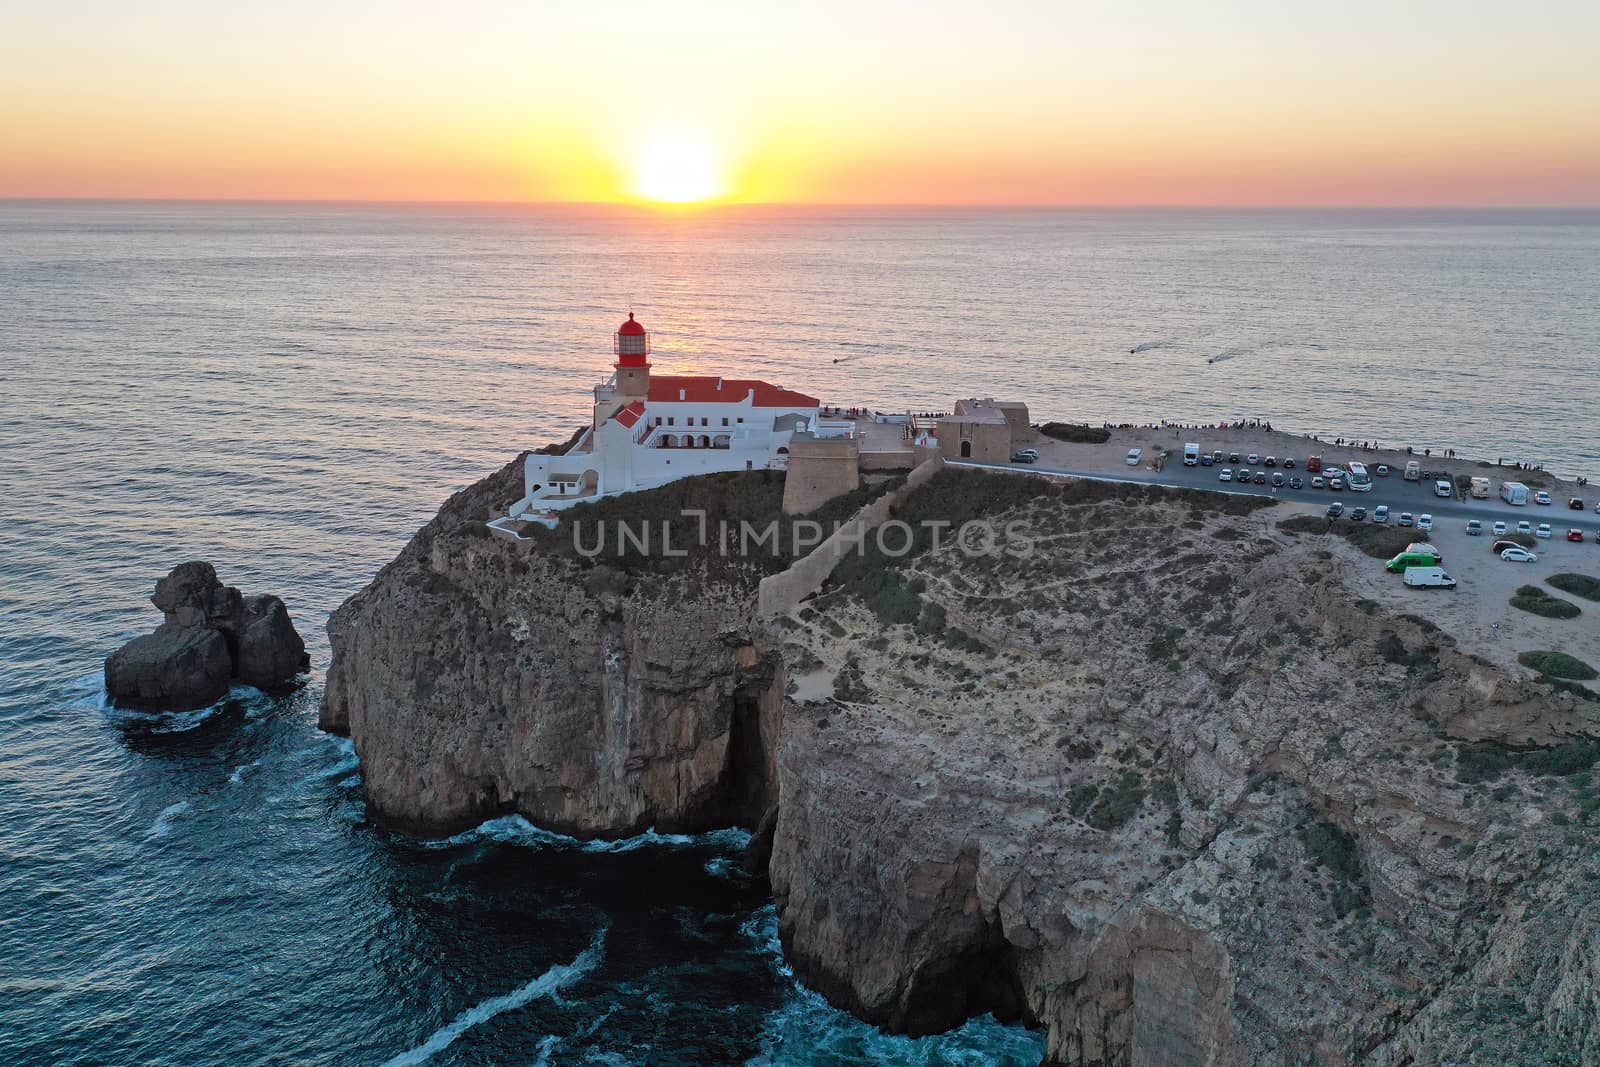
1149	779
211	634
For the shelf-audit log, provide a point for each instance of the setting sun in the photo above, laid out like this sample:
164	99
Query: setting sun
677	169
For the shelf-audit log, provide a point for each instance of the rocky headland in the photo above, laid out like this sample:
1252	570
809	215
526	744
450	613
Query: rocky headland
211	635
1150	778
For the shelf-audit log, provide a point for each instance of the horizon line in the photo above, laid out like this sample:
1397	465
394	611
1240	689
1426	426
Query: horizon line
695	208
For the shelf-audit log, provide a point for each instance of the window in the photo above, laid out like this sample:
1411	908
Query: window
669	420
705	421
724	420
741	419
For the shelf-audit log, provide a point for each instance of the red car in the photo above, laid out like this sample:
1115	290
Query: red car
1574	535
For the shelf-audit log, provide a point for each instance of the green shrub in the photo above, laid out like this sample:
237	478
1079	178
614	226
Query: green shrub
1578	585
1558	665
1378	540
1336	851
1484	761
1076	433
1536	601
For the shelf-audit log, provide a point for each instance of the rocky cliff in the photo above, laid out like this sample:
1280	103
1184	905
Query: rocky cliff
479	677
1153	781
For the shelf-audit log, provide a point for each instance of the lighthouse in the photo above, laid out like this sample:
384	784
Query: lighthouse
632	347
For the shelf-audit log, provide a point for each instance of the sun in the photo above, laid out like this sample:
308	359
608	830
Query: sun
677	169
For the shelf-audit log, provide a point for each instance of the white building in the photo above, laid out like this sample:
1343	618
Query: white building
651	430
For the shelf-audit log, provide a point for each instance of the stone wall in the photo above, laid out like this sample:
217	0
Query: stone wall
780	592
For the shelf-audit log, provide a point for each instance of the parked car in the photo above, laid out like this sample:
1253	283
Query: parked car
1541	497
1278	480
1233	457
1288	463
1406	519
1500	546
1027	455
1575	535
1333	472
1260	478
1524	527
1296	483
1317	482
1216	457
1358	514
1205	459
1543	530
1335	509
1133	456
1252	459
1336	483
1380	513
1501	529
1444	489
1518	554
1382	470
1474	528
1225	475
1270	461
1424	522
1575	503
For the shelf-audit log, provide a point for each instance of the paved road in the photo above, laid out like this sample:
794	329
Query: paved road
1401	495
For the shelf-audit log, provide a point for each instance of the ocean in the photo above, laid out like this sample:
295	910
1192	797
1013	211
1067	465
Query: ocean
289	391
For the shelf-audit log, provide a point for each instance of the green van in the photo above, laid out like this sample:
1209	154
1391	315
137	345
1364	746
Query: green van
1413	557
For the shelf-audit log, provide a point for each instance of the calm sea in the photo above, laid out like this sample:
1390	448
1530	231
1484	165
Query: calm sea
289	391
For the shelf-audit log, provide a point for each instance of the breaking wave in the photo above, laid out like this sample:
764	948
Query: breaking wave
556	978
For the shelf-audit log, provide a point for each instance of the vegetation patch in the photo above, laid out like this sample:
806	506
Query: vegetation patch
1536	601
1076	433
1558	665
1378	540
1577	584
1485	761
1335	851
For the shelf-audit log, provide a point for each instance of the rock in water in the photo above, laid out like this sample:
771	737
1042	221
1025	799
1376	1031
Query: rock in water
269	650
211	635
175	668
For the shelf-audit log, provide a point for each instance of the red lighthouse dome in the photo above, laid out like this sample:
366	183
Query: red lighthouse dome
632	344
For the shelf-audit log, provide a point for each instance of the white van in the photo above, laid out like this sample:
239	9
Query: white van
1429	578
1514	493
1191	455
1413	471
1443	488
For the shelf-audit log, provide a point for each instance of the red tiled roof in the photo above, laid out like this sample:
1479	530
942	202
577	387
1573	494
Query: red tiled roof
692	389
630	415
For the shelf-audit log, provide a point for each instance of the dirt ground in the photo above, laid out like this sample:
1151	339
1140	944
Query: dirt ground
1478	612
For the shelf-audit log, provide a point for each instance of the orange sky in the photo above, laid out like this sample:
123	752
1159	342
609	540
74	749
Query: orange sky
1224	102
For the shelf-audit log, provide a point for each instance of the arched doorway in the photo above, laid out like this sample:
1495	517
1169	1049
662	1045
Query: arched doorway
966	449
705	440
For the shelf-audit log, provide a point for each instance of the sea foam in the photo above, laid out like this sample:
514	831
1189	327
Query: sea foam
163	824
516	830
557	977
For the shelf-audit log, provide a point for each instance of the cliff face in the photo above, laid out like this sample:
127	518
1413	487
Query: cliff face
1160	787
1164	789
480	677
